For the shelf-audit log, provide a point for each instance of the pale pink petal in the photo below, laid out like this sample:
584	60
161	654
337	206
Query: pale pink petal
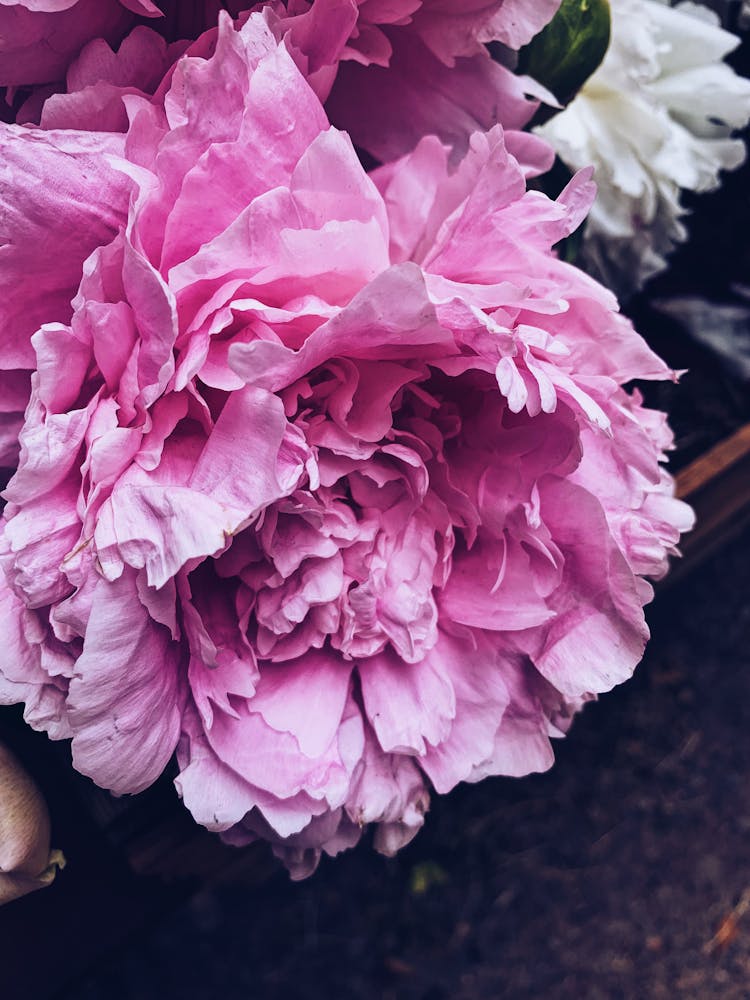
407	704
600	633
125	700
305	699
453	27
476	671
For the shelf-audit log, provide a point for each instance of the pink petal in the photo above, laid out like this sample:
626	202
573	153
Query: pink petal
125	700
407	704
60	199
476	671
38	40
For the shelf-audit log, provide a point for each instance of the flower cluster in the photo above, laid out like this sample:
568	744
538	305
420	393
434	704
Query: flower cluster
655	119
328	482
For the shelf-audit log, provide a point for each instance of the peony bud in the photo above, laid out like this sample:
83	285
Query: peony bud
26	862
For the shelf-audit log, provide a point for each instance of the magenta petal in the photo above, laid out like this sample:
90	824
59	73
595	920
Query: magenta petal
600	632
387	111
49	229
477	676
305	699
408	705
125	700
39	40
493	587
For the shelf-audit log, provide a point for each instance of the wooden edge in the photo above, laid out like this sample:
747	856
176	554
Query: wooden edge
717	486
715	462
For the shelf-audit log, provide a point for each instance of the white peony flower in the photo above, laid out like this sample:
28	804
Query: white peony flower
655	118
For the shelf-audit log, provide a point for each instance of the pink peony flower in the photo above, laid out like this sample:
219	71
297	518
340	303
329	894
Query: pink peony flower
405	68
329	482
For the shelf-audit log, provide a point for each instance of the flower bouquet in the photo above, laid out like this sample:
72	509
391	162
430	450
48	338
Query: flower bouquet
327	475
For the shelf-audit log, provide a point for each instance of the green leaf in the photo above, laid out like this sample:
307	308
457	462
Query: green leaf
566	53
